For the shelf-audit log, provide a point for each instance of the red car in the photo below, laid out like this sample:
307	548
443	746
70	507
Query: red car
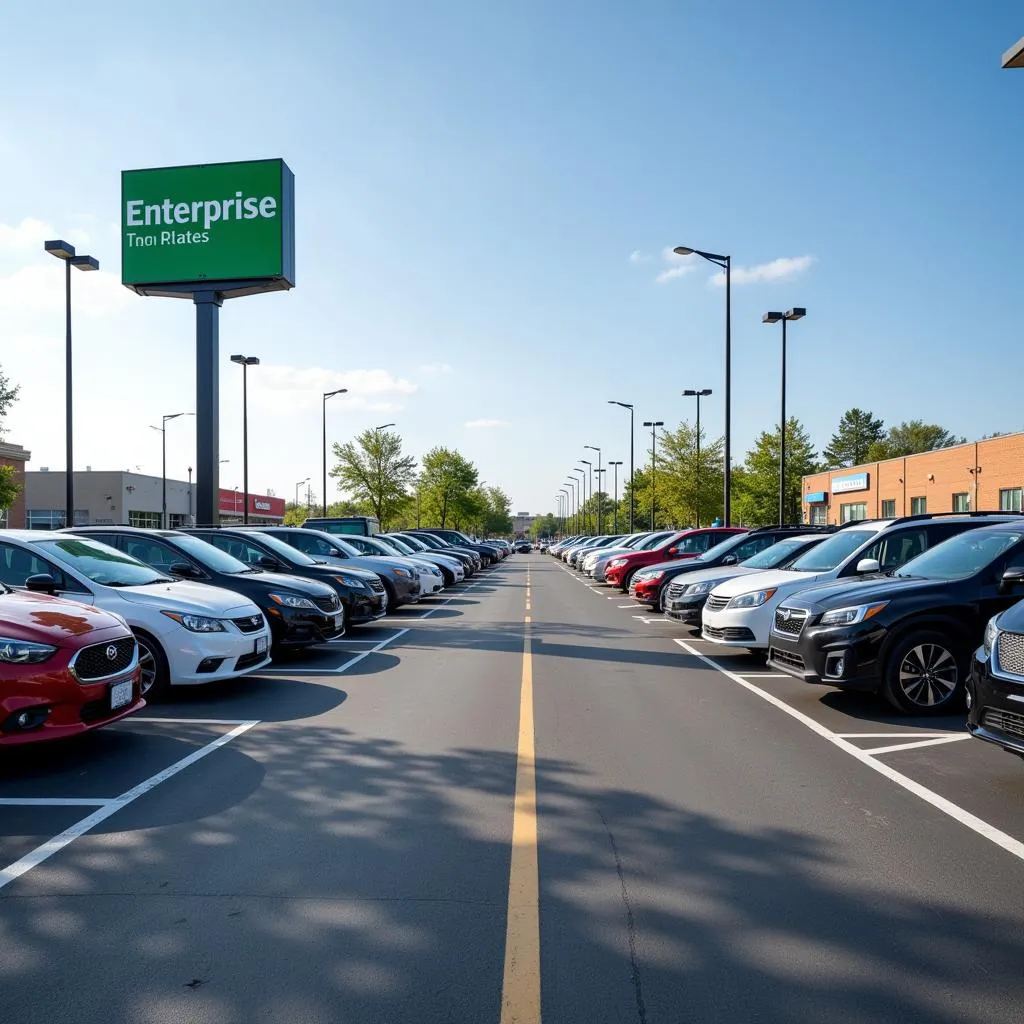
65	668
684	544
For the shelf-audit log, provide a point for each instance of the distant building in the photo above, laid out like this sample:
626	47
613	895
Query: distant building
15	456
132	499
522	521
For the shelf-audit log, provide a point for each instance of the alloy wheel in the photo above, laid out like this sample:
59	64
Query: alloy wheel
928	675
148	667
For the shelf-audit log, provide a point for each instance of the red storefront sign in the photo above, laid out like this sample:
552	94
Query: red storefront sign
233	503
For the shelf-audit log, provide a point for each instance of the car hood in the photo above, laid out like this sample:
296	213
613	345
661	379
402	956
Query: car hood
330	569
375	564
610	552
865	590
689	566
283	581
719	574
41	619
186	597
766	579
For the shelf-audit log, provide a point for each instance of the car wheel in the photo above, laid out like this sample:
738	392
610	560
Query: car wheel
626	580
156	675
393	601
925	673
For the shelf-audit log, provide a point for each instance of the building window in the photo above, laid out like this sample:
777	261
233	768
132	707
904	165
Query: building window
819	515
961	502
1009	499
918	506
44	518
853	512
81	517
889	508
4	518
176	520
147	520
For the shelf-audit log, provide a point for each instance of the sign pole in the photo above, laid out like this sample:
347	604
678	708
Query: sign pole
208	305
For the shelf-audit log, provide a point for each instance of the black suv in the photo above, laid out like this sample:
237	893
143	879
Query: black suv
995	689
731	551
432	540
361	592
908	635
300	612
488	553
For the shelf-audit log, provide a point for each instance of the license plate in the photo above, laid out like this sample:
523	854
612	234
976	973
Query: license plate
337	619
261	645
120	694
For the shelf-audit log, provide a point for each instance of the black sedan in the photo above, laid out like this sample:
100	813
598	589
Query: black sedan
523	547
908	636
361	592
300	612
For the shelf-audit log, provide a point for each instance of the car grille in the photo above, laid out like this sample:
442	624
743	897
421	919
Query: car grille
377	586
790	621
716	604
249	623
102	660
327	604
248	660
675	590
1004	721
735	633
1011	653
786	658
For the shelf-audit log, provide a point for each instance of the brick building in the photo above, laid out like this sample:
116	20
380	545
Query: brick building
16	456
982	476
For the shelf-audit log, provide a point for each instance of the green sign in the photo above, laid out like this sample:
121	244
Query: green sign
207	224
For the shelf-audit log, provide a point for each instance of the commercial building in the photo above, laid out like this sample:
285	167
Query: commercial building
133	499
15	456
982	476
521	522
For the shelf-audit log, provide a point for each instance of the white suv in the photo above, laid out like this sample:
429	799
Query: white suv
188	633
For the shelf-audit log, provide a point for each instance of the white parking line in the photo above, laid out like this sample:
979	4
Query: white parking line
762	675
874	751
53	801
184	721
302	671
36	857
893	735
940	803
622	605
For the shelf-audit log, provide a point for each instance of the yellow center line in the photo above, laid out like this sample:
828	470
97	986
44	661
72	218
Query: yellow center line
520	988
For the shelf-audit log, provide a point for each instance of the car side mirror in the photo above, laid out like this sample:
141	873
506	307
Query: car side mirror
268	562
41	583
672	550
1012	577
730	560
867	565
186	570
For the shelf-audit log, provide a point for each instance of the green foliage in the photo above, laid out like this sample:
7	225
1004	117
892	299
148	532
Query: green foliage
448	489
373	470
689	491
8	396
296	515
911	437
755	490
858	430
545	526
9	486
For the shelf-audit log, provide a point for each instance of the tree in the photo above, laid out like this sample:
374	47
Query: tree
296	515
756	489
858	430
447	484
545	526
8	396
9	486
689	492
911	437
376	473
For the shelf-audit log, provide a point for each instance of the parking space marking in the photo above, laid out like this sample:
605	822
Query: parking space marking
54	801
41	853
934	742
341	669
762	675
929	796
622	605
186	721
891	735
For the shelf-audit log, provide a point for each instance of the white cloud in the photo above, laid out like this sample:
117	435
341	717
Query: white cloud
486	424
29	234
436	368
39	288
293	388
677	266
776	270
636	256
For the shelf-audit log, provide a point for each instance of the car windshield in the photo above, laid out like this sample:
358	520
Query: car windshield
285	551
100	563
722	548
401	546
778	554
387	547
961	556
211	557
415	543
653	542
665	542
343	545
831	553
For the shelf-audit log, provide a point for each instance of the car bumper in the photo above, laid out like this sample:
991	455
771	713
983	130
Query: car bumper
736	628
407	590
686	609
302	627
844	656
363	608
430	585
997	707
646	593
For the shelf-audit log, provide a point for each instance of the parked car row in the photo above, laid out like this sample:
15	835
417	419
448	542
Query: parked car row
924	610
95	621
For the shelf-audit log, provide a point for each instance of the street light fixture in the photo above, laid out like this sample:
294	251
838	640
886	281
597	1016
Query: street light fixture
797	313
653	424
383	426
298	484
590	475
702	393
328	394
1014	56
632	496
615	528
66	252
725	263
163	472
245	362
599	472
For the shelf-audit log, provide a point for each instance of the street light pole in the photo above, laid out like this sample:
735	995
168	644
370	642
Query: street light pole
632	495
581	505
654	424
590	474
599	472
725	263
63	251
245	362
797	313
163	471
298	484
599	500
615	528
190	523
702	393
328	394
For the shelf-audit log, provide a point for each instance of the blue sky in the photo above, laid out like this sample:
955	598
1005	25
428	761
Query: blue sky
472	181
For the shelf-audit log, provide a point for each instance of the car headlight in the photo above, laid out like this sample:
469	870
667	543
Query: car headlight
403	572
652	577
699	588
752	600
855	613
991	634
616	562
23	652
197	623
292	601
351	581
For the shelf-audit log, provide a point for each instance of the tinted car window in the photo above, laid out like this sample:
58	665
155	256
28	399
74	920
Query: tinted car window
238	548
776	554
894	549
153	552
750	547
206	554
102	563
17	564
310	543
961	556
831	553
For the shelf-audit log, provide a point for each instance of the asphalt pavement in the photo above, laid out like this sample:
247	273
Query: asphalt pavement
525	799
